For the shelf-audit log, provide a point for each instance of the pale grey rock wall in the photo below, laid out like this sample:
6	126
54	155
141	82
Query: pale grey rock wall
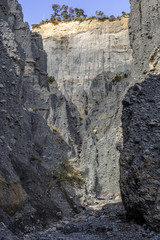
78	52
102	137
84	59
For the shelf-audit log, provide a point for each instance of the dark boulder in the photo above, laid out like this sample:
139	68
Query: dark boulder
140	157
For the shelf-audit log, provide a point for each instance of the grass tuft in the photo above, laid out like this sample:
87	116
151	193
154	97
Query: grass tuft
65	172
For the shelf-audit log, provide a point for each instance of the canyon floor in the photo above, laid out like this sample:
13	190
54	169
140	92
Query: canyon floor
98	222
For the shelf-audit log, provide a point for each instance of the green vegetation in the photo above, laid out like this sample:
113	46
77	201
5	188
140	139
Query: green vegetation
34	158
99	14
56	10
52	127
119	77
66	13
65	172
112	18
51	79
34	109
123	13
93	128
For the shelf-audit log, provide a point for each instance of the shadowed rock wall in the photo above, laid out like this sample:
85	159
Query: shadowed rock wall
139	161
28	146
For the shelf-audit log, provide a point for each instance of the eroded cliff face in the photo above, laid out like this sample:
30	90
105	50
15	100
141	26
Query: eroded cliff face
79	51
144	34
78	116
28	146
139	161
84	58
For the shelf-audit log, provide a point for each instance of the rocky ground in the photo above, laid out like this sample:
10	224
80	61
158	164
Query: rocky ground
98	222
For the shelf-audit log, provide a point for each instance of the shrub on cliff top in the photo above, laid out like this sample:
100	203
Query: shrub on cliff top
66	13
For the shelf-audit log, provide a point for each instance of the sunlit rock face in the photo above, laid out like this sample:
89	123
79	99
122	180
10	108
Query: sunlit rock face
79	51
84	58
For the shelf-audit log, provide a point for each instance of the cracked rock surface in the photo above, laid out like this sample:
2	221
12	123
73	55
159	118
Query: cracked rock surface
139	161
84	58
28	146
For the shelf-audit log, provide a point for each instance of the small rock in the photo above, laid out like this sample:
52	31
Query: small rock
59	214
3	111
2	137
3	101
117	198
153	124
91	218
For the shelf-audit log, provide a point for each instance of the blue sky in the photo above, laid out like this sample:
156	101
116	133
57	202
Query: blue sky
36	10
